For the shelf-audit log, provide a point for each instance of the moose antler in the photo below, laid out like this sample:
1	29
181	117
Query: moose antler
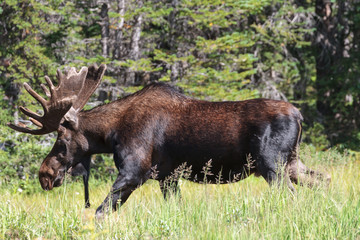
73	91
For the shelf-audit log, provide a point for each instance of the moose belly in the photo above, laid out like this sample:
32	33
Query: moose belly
211	162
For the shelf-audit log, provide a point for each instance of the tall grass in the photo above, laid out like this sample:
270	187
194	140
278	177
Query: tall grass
249	209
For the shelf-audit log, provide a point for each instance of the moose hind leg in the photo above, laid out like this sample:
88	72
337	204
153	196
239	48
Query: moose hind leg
275	147
169	187
270	164
273	173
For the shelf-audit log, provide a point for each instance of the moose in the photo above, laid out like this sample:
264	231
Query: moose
158	129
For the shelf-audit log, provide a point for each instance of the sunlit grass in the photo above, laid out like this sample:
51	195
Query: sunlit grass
249	209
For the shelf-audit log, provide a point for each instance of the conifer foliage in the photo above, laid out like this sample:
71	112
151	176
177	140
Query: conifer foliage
306	52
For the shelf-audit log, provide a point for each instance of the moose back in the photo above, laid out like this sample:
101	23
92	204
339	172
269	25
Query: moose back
157	130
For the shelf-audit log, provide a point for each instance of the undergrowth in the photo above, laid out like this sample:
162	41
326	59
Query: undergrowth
249	209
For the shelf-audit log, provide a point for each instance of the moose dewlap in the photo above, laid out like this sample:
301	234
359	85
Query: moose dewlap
154	131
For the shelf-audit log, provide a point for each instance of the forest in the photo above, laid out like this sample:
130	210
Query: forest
301	51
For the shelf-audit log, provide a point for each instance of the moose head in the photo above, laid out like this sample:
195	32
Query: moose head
61	114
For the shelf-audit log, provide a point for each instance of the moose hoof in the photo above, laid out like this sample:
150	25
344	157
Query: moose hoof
99	215
327	179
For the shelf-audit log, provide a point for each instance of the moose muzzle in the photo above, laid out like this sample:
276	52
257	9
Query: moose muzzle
51	174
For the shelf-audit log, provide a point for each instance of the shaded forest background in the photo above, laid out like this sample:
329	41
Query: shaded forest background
305	52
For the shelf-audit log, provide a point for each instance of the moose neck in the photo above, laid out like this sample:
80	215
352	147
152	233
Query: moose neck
97	125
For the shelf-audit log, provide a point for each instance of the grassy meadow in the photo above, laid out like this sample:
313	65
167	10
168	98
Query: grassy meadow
249	209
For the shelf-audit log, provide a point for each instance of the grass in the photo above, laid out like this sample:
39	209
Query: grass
249	209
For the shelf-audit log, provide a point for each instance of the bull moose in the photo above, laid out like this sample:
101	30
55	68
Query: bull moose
158	129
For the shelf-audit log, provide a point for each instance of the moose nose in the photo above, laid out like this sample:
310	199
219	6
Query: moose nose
46	183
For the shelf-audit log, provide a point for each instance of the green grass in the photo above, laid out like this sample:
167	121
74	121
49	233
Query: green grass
249	209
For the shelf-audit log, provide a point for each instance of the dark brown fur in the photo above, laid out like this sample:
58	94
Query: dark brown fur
157	130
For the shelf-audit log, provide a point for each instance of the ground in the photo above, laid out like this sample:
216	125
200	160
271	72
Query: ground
249	209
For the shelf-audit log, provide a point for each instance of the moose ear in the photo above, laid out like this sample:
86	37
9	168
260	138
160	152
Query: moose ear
72	118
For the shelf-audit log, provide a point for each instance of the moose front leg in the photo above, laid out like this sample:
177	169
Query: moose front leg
86	181
86	189
122	188
133	172
83	169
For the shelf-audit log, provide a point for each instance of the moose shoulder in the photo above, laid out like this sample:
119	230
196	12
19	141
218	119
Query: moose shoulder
156	130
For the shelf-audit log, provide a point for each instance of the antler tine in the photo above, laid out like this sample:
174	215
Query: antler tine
50	85
26	129
30	113
37	123
35	95
59	76
46	91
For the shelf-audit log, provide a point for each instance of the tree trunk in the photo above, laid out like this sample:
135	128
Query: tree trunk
176	67
172	24
332	47
134	53
105	29
118	35
135	39
326	49
329	45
